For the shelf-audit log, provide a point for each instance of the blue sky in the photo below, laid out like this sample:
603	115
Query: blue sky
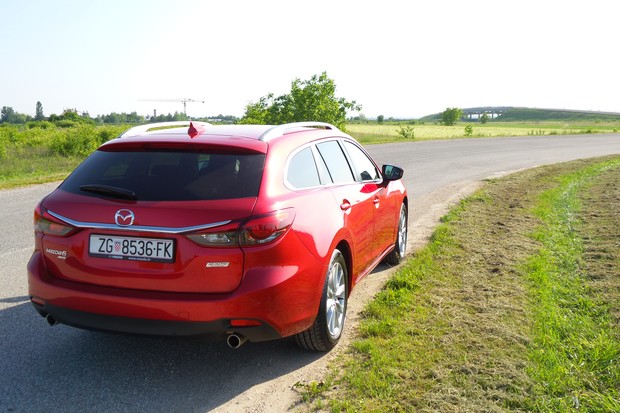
396	58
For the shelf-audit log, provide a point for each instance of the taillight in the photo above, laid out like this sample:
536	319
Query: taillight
224	236
48	225
266	228
258	230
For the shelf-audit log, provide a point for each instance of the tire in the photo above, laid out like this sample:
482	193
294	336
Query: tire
328	326
400	246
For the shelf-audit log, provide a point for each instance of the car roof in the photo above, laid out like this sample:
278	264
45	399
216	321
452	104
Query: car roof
260	132
251	137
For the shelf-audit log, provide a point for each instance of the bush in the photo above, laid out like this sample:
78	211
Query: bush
7	135
406	132
41	124
105	133
469	130
66	123
78	141
3	147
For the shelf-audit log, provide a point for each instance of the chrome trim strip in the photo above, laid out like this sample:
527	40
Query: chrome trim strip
165	230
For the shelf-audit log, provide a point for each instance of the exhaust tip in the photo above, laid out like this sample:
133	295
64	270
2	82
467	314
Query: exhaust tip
235	341
51	320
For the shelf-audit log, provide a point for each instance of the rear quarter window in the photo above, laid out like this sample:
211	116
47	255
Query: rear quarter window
302	172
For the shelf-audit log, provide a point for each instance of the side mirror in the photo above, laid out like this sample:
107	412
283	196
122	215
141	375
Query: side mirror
392	173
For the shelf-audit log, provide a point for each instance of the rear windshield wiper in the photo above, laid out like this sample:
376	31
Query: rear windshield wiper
111	191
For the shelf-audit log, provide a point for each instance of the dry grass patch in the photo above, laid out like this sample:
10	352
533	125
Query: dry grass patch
601	234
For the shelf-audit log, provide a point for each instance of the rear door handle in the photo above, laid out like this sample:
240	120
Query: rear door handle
345	205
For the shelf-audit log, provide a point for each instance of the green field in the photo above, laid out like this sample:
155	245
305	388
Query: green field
369	133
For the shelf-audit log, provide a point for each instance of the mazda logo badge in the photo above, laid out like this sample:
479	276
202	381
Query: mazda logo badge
124	218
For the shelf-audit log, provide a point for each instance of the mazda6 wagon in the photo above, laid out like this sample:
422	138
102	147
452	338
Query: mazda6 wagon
242	232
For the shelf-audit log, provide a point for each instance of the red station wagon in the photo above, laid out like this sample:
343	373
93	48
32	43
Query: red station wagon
243	232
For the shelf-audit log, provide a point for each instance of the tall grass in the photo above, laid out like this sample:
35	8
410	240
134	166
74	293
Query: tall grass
43	151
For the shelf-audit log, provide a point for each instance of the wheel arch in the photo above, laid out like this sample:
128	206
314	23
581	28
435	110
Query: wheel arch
345	249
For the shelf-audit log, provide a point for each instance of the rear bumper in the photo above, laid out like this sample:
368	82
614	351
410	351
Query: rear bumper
101	322
283	299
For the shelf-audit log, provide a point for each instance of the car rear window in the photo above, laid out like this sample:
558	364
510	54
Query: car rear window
170	175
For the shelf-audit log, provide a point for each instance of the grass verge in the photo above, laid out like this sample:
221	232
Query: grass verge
575	351
512	306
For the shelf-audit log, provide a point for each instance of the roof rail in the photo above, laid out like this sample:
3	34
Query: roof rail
279	130
139	130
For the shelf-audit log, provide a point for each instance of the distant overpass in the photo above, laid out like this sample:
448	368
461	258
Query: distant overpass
491	111
495	111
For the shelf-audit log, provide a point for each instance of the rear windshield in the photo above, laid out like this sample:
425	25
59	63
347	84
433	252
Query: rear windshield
168	175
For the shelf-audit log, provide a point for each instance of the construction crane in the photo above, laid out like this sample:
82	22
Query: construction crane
184	101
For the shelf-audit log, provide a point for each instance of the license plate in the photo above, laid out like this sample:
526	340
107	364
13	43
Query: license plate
132	248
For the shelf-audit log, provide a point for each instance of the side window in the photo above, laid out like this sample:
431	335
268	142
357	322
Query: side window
365	169
336	162
302	172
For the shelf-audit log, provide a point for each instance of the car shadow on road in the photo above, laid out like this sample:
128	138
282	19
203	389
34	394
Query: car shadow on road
67	369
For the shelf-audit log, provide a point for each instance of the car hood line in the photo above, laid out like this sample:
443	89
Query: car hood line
140	228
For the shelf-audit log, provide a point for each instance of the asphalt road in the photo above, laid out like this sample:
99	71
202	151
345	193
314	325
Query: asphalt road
64	369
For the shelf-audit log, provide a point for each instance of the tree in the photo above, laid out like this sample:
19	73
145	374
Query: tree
450	116
256	113
39	112
118	118
309	100
6	114
484	118
380	119
70	117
